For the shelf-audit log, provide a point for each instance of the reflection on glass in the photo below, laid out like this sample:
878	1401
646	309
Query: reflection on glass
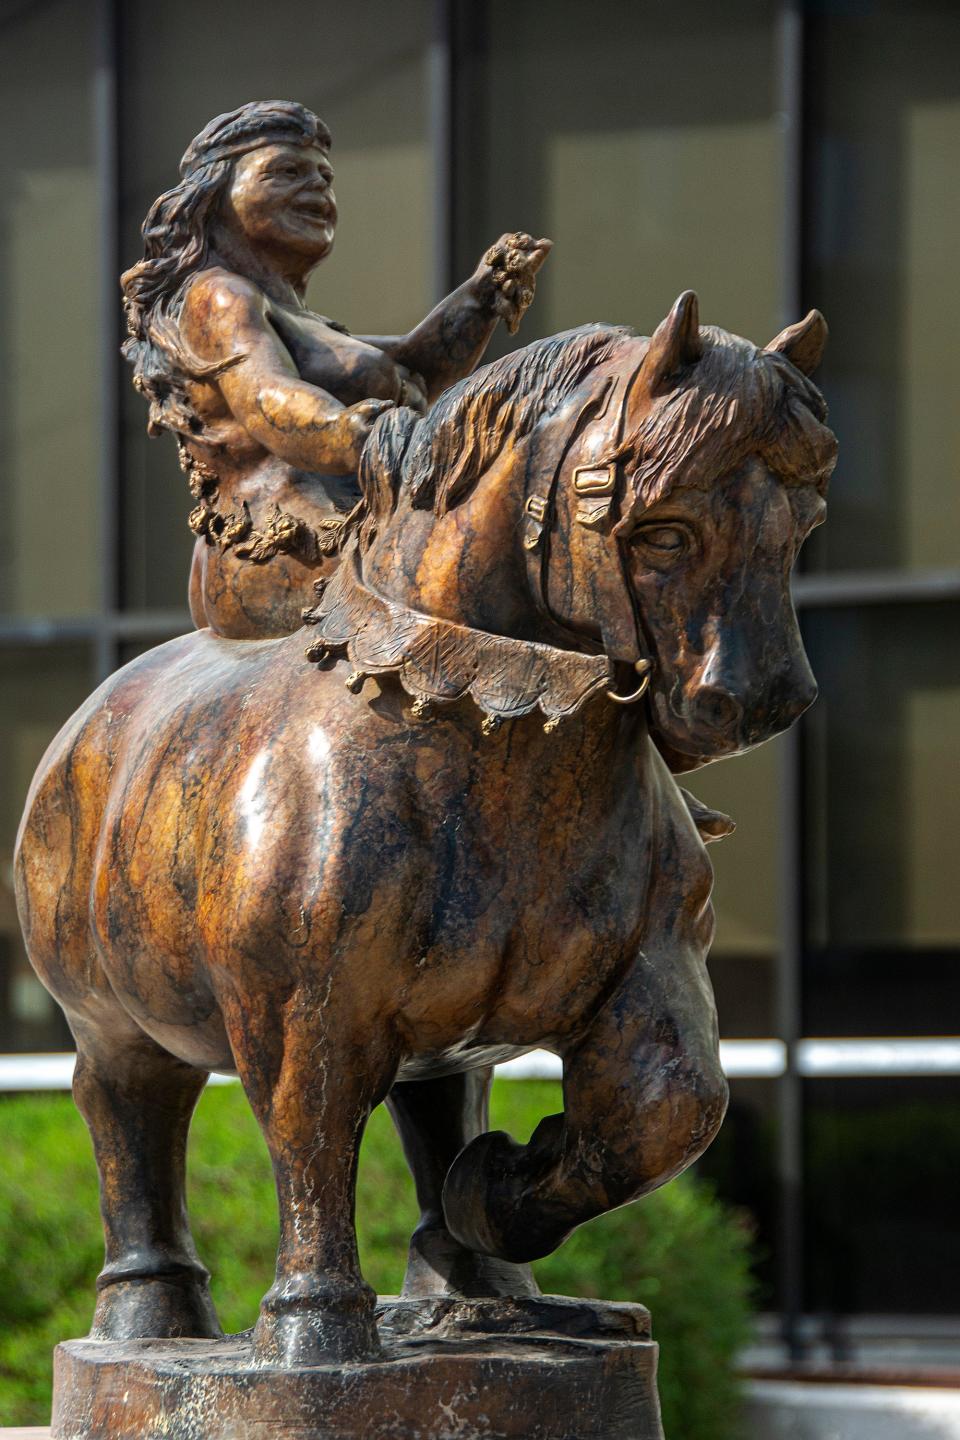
39	690
881	1196
884	784
651	156
48	303
363	69
742	1163
885	212
746	892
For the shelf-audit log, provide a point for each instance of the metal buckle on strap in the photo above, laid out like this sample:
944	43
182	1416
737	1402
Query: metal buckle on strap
595	479
596	486
536	509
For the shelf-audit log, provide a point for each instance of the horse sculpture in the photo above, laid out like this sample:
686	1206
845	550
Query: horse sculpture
230	860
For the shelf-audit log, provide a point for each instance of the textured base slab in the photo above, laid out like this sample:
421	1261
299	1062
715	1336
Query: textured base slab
533	1369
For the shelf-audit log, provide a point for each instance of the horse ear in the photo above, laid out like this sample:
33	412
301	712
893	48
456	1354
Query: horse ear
676	342
803	343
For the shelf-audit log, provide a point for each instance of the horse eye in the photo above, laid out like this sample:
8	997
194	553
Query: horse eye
666	539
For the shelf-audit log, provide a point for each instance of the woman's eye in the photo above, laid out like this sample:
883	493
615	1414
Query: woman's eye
668	540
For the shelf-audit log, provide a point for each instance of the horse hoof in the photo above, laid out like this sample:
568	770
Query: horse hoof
439	1265
490	1196
160	1309
481	1173
314	1331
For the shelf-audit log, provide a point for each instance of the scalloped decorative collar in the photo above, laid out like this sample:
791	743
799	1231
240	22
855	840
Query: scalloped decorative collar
439	662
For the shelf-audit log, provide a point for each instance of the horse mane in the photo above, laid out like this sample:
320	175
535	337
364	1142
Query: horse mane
736	400
437	459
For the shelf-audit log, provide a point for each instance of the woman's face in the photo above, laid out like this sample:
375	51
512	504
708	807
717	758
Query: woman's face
281	199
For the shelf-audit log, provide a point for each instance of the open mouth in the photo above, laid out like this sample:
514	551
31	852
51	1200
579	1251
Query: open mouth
319	212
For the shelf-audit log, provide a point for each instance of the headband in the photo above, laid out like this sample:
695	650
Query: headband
271	122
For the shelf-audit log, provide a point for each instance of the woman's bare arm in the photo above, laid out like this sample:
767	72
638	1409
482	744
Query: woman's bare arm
451	340
224	320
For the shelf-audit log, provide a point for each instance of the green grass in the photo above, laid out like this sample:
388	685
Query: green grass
680	1251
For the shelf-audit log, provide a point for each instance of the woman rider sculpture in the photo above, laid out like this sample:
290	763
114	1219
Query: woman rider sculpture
271	404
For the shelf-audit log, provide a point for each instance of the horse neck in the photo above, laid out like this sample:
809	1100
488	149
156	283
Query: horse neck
467	565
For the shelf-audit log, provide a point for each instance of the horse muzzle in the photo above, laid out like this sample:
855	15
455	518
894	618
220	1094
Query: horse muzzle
712	722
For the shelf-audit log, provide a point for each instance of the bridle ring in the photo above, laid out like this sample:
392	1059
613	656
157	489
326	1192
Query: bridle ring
643	668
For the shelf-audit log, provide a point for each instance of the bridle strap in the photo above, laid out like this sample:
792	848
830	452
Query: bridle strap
598	483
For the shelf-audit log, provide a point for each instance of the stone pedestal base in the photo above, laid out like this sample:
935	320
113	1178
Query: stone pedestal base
541	1368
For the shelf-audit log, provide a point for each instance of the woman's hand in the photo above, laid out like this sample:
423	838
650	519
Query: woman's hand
446	346
506	276
349	431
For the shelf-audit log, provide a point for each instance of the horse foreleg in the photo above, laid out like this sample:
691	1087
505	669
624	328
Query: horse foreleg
435	1120
644	1095
312	1077
137	1101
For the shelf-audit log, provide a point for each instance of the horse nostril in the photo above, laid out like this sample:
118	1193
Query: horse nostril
718	710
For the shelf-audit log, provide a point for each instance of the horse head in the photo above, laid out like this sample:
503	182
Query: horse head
726	459
677	515
614	501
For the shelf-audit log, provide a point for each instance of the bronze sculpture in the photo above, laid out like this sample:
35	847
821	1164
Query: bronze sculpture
269	403
436	827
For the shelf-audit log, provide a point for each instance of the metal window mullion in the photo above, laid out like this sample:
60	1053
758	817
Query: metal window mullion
107	162
877	587
441	62
788	989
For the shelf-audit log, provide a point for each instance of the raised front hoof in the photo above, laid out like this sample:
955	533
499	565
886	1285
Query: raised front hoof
317	1330
439	1265
155	1309
483	1195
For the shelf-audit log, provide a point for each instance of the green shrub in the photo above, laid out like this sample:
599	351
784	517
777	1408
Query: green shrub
680	1251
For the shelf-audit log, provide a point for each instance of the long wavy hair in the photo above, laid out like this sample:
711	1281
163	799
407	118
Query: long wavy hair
176	243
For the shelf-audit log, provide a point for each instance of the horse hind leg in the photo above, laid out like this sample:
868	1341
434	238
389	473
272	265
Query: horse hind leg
137	1101
436	1119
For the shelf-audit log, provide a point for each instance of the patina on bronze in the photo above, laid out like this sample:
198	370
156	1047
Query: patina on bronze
419	836
271	404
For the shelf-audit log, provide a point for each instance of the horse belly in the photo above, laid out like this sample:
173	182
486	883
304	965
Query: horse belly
529	964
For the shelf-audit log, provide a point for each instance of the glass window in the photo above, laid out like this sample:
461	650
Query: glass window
653	157
746	893
39	690
881	1196
742	1164
649	152
885	211
883	781
48	312
363	68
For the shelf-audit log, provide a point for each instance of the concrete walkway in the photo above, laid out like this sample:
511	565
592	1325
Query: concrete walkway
781	1410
